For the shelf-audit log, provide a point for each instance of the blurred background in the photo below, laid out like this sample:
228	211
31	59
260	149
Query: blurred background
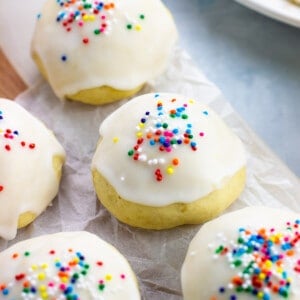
254	60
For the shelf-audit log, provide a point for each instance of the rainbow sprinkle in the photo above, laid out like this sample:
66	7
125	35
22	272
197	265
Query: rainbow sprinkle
158	130
260	259
80	13
61	277
10	138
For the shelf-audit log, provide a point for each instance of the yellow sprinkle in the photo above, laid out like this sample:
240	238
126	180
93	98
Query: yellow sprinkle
192	101
141	125
88	18
279	270
170	170
139	134
260	295
108	277
115	139
41	276
262	276
45	266
64	279
1	130
34	267
42	288
44	295
138	27
268	264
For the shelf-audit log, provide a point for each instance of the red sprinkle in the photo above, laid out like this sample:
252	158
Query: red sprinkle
85	40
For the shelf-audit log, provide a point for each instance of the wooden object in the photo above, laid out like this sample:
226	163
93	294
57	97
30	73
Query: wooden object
11	83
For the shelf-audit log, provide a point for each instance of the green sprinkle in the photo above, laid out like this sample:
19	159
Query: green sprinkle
26	253
184	116
240	240
129	26
101	287
239	289
130	152
142	17
237	263
219	249
97	31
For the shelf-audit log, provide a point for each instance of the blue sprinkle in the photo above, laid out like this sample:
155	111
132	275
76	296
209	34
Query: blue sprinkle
162	139
5	292
266	297
68	290
64	57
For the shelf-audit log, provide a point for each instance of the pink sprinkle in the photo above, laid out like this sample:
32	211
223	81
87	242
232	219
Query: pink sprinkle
201	133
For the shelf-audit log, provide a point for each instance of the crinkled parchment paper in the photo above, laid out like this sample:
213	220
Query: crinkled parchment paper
155	256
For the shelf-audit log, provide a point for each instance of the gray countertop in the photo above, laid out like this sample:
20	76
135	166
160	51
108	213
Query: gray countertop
254	60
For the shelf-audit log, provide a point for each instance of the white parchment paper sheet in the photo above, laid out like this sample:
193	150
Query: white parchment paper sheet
155	256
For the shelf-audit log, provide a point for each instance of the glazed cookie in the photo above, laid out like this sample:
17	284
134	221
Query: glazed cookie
253	253
67	265
165	160
101	51
31	161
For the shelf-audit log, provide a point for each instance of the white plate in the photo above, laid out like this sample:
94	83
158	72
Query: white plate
281	10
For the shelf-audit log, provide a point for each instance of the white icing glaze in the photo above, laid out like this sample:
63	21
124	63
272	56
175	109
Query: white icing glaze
204	271
50	263
218	157
28	181
119	57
